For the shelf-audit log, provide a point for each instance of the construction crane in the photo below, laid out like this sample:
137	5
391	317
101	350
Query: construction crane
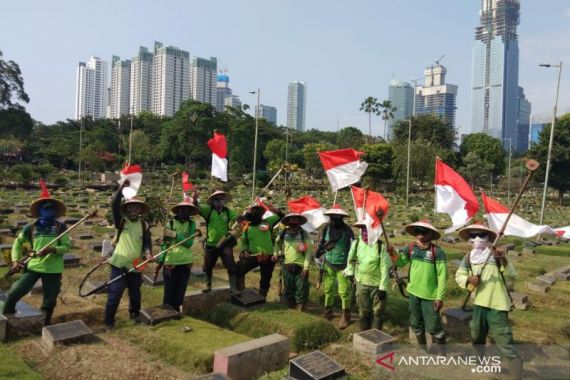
438	60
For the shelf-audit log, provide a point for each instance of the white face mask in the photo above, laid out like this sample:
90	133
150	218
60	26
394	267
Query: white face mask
478	251
480	243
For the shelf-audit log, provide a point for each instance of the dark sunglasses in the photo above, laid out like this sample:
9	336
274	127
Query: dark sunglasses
474	235
421	231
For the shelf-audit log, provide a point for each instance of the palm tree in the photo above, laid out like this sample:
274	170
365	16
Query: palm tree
370	106
387	111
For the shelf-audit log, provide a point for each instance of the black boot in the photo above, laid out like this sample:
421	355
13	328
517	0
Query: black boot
48	314
208	283
263	292
233	284
135	317
364	323
240	283
422	342
439	347
377	323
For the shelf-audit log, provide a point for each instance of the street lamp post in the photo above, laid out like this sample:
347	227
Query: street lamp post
255	142
509	173
415	81
80	148
551	140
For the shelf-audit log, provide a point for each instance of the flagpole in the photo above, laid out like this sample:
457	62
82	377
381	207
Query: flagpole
130	139
255	144
334	200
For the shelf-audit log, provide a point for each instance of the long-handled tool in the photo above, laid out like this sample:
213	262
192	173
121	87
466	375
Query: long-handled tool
21	264
401	282
135	268
532	166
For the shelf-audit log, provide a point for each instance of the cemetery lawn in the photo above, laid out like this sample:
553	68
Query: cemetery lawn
12	367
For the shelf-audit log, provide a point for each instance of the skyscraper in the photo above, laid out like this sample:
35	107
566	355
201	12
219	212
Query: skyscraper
401	94
203	79
170	79
523	123
222	90
436	97
232	101
120	88
268	113
495	76
91	89
296	103
141	81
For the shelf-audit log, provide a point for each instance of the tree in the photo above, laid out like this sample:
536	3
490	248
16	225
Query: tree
475	170
422	162
379	158
11	85
16	122
488	149
560	156
350	137
370	106
433	129
311	159
274	153
387	111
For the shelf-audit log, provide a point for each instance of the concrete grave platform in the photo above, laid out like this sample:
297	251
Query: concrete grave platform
254	358
97	246
197	271
539	287
71	261
92	284
315	366
372	341
547	279
85	236
65	333
456	323
27	320
520	301
3	327
70	220
6	232
561	274
247	298
156	314
197	302
148	279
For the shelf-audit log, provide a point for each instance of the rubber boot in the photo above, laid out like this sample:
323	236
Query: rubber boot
48	315
300	307
516	368
439	347
233	284
377	323
240	283
364	323
422	342
328	313
344	319
263	292
208	288
291	303
135	317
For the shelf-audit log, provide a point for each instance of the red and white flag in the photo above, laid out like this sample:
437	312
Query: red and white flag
453	196
311	209
186	184
367	204
134	174
496	214
343	167
563	232
219	148
260	202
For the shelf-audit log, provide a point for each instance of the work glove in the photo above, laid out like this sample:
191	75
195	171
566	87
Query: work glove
437	305
169	233
473	280
45	251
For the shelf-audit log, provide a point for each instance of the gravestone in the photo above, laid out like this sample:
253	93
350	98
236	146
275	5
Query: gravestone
561	274
539	287
197	271
3	327
372	341
85	236
71	261
19	223
96	246
253	358
212	376
27	320
247	298
70	220
93	284
547	279
6	232
148	278
520	301
528	251
65	333
38	287
6	211
156	314
197	302
315	366
457	323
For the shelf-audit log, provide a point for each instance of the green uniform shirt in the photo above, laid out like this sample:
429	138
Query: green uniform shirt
289	247
259	239
339	254
426	279
369	266
129	246
218	224
182	254
491	291
52	263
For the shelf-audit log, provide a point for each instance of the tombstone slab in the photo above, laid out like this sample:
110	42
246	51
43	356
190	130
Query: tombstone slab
148	278
38	287
547	279
3	327
528	251
70	220
247	298
539	287
520	301
197	302
27	320
156	314
96	246
71	261
93	284
6	232
197	271
267	354
561	274
315	366
372	341
457	323
85	236
65	333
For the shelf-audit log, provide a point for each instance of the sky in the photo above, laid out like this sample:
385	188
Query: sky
345	51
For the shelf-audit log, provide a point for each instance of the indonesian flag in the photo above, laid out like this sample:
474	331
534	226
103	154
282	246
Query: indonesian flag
343	167
219	148
186	184
260	202
453	196
311	209
496	215
367	204
563	232
134	174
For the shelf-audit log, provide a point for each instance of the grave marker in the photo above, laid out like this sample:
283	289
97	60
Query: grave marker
197	271
71	261
539	287
457	323
561	274
27	320
93	284
6	232
38	287
65	333
315	366
148	278
520	301
547	279
197	302
247	298
85	236
372	341
156	314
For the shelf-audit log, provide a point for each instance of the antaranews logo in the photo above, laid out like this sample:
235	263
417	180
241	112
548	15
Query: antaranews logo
478	364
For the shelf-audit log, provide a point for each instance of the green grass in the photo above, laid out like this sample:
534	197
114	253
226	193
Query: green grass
12	367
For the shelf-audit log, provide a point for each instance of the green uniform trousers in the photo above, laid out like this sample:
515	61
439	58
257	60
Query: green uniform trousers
495	322
344	287
51	284
423	317
368	301
296	287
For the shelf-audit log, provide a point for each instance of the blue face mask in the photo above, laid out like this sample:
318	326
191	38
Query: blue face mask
47	215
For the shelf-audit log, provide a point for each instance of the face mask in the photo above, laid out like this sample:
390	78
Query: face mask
364	235
479	243
47	216
218	204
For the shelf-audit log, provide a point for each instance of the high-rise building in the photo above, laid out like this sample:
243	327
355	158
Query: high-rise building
170	79
119	94
401	94
91	89
203	79
436	97
222	90
267	112
296	104
232	101
523	123
535	130
141	82
494	98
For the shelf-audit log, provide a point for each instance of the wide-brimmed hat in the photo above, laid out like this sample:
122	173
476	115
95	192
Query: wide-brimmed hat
336	210
45	198
466	231
219	194
410	228
287	218
188	204
360	224
144	207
